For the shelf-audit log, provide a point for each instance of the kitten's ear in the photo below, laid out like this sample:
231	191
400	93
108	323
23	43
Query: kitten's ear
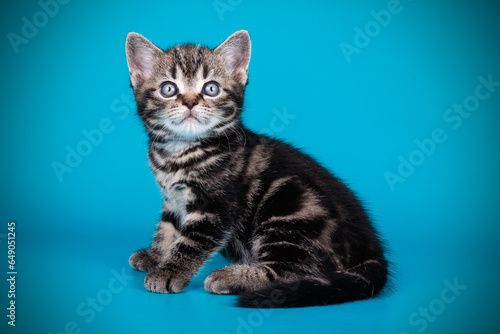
141	57
235	53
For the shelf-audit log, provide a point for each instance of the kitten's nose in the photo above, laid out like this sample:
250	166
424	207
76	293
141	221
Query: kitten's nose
189	102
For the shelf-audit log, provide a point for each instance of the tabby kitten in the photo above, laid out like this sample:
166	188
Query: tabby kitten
296	235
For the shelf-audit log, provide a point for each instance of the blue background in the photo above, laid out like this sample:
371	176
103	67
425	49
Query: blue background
357	116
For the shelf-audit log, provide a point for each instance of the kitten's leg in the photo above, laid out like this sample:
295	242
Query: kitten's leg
237	278
285	242
282	254
166	233
201	235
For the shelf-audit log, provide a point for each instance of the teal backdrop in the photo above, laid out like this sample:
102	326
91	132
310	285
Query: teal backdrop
399	98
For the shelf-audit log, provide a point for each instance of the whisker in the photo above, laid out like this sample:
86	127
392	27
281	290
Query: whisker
228	142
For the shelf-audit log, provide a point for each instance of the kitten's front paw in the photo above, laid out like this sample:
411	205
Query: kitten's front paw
143	260
165	281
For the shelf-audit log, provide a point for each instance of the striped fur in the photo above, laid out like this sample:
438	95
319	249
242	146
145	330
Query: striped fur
296	234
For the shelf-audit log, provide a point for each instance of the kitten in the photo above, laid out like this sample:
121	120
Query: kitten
297	236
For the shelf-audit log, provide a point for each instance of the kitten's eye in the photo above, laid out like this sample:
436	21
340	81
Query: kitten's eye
211	88
168	89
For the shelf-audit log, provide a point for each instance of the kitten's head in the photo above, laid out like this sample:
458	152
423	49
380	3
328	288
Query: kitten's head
189	92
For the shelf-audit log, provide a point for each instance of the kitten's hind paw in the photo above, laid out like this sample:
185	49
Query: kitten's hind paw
143	260
220	283
236	278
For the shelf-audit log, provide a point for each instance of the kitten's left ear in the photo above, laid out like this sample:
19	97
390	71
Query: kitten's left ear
235	53
141	57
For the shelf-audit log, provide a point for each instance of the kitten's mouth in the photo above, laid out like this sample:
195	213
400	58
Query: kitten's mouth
189	119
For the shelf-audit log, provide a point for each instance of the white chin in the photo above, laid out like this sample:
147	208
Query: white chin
192	129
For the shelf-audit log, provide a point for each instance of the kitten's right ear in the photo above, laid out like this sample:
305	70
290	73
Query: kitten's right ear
235	53
141	57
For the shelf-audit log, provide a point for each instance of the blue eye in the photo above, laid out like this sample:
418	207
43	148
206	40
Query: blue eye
168	89
211	88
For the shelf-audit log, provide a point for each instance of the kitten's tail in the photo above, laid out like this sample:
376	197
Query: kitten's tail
361	282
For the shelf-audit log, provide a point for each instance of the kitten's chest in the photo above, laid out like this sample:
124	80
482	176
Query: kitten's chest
179	189
193	178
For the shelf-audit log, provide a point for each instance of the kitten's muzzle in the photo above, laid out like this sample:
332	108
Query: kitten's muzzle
189	102
189	114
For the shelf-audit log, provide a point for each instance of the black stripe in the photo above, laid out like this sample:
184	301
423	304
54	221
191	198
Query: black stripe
154	134
223	106
189	150
281	267
173	71
201	239
205	71
194	161
186	249
237	98
221	162
311	228
143	102
157	127
148	94
153	138
160	136
279	234
167	283
286	201
282	252
216	170
153	110
182	66
157	164
168	216
269	273
204	227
